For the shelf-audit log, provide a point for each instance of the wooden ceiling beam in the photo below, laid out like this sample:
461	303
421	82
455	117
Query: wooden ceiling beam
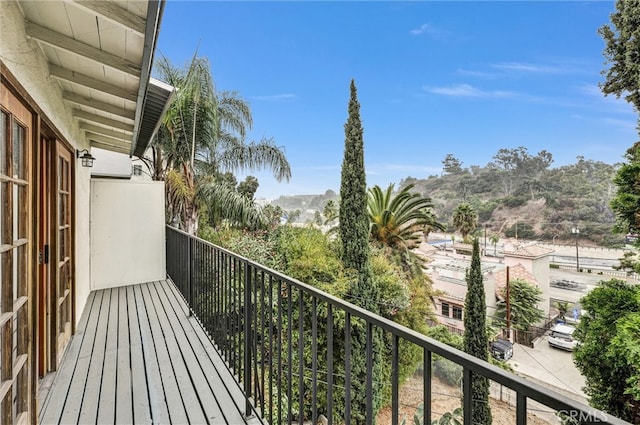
109	147
105	131
102	106
61	41
102	120
108	141
90	82
116	14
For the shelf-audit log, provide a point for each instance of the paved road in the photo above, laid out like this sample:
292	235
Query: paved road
550	367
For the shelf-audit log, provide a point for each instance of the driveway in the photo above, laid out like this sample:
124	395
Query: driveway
550	367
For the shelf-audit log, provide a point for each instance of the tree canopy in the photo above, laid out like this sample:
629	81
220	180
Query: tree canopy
475	337
399	220
622	52
201	138
608	355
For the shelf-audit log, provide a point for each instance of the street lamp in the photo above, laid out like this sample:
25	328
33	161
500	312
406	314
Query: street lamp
576	232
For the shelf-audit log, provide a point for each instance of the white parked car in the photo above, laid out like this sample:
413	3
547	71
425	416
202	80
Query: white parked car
561	336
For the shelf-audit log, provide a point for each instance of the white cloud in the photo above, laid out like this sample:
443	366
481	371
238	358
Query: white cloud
466	90
283	96
481	74
530	68
424	28
627	125
430	30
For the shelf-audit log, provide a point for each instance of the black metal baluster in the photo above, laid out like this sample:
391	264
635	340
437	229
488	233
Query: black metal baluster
301	357
395	396
467	400
329	364
347	369
289	353
369	383
426	387
314	360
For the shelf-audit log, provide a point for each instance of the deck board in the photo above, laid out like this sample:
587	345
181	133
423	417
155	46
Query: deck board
91	398
210	361
67	368
138	358
140	398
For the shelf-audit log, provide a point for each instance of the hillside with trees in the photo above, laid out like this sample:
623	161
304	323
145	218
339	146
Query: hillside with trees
518	194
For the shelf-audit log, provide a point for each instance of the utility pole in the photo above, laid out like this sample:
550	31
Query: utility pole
508	315
576	232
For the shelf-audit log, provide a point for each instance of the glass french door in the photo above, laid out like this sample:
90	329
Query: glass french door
16	241
63	291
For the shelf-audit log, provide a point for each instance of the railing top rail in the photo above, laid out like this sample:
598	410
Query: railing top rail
530	389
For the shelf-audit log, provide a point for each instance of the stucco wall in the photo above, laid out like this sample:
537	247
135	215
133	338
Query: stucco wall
26	61
127	232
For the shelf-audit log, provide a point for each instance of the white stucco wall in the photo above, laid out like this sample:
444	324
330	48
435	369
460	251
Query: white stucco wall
127	232
26	61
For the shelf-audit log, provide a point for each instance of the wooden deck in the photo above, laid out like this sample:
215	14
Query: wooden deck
137	357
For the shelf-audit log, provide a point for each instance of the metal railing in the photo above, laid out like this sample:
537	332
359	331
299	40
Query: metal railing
290	346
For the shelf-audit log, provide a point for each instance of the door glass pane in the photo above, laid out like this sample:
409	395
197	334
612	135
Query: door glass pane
18	150
20	210
5	228
4	139
21	273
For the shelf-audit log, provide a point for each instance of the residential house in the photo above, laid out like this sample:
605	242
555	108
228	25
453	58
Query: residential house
75	76
529	262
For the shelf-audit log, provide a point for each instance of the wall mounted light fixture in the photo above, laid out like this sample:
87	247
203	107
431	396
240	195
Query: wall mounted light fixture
87	158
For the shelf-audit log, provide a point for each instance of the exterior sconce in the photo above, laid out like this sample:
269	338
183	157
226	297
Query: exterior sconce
87	158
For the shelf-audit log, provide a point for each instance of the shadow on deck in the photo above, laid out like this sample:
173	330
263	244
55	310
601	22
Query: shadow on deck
137	357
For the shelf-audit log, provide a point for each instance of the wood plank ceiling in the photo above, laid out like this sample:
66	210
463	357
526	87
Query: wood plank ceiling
101	52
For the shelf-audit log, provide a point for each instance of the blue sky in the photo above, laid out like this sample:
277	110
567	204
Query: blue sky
433	78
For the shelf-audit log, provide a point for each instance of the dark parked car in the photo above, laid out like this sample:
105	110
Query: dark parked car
502	349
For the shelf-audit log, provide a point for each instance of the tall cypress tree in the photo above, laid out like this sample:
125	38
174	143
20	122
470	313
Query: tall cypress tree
354	220
354	233
475	337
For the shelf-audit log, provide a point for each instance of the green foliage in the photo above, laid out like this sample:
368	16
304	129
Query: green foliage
626	203
521	231
524	299
354	220
399	220
308	255
475	336
514	201
465	219
354	235
201	139
607	355
621	52
563	307
450	418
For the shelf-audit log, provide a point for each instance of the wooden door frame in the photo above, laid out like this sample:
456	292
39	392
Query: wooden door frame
42	127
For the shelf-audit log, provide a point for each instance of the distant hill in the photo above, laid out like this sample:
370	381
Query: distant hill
518	192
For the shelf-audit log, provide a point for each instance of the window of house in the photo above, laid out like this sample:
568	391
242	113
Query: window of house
457	312
445	309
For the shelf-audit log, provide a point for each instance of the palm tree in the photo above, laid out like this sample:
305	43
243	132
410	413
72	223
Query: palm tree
563	308
203	136
397	221
465	219
494	240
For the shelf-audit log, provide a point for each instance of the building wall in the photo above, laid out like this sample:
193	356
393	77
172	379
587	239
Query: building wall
127	232
541	272
539	268
26	61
